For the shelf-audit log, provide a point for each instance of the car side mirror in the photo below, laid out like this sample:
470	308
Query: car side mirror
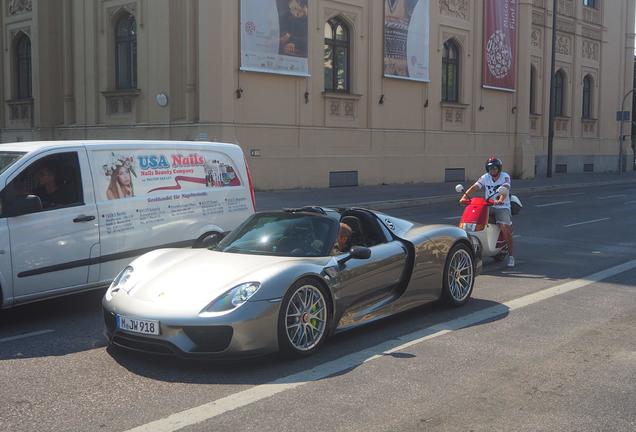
459	188
357	252
210	241
22	205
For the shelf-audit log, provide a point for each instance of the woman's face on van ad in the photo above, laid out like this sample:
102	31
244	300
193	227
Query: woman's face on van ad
123	176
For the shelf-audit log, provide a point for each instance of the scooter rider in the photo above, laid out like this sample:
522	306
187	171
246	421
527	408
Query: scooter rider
492	181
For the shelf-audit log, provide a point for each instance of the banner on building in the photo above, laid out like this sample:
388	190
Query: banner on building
500	45
406	39
274	36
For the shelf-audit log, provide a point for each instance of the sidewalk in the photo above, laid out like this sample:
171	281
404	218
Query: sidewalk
414	194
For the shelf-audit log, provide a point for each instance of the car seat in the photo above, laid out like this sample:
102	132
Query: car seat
358	237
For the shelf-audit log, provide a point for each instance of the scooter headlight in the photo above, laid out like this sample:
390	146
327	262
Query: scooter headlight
468	226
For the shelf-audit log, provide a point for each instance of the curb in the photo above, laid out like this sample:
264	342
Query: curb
415	202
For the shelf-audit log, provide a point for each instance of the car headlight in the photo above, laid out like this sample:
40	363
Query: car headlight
122	281
233	298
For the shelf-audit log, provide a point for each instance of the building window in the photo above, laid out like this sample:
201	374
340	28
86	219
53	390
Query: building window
337	63
23	67
126	52
589	3
559	91
533	89
587	97
450	72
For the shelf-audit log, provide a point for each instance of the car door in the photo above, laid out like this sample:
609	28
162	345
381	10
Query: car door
51	248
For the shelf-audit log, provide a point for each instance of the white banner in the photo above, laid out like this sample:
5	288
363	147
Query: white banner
406	39
274	36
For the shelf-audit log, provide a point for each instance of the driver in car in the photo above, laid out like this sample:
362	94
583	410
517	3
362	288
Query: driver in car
344	236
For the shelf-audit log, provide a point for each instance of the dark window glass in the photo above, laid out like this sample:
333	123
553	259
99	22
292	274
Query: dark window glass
533	90
337	52
590	3
450	72
55	179
126	52
559	90
23	67
587	97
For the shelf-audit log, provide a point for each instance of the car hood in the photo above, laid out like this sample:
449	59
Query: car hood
189	279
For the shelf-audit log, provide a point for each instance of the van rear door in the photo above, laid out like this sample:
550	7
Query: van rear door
51	248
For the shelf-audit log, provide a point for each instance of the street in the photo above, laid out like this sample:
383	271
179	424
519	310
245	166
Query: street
549	345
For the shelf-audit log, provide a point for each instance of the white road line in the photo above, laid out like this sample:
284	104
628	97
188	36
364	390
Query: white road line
257	393
453	218
630	202
554	204
26	335
559	195
613	196
585	222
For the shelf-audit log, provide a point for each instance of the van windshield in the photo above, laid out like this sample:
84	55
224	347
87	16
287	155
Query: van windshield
8	158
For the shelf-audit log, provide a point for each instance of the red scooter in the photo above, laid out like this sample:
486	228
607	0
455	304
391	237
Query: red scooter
480	225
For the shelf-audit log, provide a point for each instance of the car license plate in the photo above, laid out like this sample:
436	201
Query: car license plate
150	327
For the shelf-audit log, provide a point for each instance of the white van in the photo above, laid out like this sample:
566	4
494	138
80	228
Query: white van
74	213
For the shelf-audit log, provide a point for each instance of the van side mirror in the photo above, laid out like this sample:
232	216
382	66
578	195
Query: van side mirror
210	241
22	205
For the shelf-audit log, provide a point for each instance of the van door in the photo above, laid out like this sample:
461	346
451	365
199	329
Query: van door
51	243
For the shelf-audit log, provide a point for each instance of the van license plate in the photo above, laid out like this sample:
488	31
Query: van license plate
138	326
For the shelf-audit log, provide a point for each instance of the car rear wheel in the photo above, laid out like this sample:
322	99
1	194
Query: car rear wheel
303	320
459	275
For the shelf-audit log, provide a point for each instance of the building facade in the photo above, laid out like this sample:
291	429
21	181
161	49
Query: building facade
170	69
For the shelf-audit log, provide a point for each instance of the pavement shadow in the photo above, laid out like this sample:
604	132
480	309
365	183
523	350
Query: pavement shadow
60	326
388	333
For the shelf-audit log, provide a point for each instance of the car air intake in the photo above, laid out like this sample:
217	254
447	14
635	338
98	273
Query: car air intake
209	339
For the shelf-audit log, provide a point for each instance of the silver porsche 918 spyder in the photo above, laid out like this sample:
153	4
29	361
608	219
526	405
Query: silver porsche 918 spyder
278	283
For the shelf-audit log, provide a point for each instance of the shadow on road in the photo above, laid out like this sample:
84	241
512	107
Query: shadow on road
390	332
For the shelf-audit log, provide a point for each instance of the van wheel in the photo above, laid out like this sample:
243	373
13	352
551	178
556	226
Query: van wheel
207	240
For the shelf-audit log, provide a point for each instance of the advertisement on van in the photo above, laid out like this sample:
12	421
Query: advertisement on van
124	175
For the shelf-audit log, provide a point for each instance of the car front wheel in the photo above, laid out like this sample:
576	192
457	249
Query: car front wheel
303	320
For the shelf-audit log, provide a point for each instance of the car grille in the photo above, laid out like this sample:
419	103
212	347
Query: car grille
140	343
209	338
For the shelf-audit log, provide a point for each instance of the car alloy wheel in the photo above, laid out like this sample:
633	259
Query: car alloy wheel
459	275
304	318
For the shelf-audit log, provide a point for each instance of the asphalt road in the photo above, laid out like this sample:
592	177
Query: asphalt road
547	346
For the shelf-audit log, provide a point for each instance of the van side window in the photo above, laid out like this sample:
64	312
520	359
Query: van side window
56	180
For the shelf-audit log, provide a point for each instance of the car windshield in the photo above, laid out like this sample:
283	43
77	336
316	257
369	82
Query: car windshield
8	158
283	234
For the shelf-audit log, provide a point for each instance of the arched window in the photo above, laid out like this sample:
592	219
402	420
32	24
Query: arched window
23	67
587	97
533	89
559	91
126	52
450	72
337	48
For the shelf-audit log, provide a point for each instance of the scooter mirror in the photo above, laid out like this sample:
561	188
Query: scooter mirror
459	188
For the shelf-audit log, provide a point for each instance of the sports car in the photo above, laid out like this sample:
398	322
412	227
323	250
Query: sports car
278	283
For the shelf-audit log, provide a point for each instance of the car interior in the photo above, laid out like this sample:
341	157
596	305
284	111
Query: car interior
365	229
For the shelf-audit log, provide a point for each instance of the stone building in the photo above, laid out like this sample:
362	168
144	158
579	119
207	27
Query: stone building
170	69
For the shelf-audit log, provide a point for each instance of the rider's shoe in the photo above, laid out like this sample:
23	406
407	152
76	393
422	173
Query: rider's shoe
511	261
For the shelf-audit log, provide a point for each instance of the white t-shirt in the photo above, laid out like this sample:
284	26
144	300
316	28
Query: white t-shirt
490	186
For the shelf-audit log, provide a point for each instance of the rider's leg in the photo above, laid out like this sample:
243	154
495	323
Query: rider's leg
506	231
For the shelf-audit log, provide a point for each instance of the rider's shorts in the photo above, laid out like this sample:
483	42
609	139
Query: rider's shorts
502	215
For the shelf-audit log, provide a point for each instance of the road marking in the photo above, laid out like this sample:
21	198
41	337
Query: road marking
585	222
453	218
613	196
630	202
554	204
257	393
26	335
560	195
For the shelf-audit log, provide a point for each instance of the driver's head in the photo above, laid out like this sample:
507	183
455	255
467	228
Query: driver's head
493	166
344	235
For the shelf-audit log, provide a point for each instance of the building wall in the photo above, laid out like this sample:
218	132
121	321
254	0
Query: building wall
386	130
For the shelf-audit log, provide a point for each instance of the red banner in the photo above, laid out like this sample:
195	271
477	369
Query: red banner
500	45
